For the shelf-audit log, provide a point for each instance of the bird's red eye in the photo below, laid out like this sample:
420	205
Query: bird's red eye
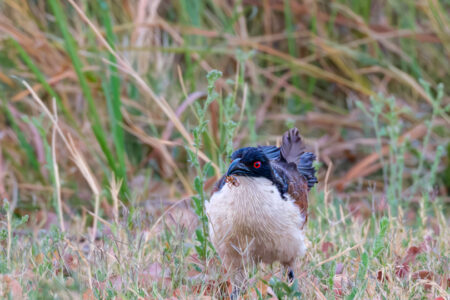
257	164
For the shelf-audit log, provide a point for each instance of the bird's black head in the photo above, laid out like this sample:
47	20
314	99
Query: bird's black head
250	162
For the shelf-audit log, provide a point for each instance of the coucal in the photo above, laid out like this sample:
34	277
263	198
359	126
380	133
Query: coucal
258	210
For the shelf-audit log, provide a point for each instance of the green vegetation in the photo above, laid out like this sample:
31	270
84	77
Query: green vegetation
117	117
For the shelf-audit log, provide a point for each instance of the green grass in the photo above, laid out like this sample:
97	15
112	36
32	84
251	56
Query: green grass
94	116
119	213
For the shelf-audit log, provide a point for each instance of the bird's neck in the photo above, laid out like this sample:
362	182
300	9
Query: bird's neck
250	194
249	187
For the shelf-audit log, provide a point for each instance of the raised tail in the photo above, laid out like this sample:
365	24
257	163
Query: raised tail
292	146
292	150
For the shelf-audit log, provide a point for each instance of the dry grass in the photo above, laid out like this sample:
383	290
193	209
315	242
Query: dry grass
104	128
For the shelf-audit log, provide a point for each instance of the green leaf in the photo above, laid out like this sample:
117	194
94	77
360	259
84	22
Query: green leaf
198	185
3	234
363	266
72	50
112	89
379	244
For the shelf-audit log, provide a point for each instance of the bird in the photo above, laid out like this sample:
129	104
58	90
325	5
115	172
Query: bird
258	209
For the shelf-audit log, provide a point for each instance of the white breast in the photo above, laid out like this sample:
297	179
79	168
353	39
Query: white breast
253	219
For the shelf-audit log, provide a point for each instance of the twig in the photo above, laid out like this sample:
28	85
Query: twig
8	246
115	189
56	170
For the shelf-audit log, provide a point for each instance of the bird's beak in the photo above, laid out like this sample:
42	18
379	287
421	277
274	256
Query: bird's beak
237	168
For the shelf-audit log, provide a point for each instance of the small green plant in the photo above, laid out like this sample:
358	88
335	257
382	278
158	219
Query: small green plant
6	233
385	116
331	274
283	290
386	122
227	126
379	243
198	132
424	180
361	281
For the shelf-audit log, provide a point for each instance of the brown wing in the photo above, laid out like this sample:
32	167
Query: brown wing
295	185
298	190
292	149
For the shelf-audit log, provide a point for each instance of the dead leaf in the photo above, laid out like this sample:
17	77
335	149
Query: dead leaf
71	261
327	248
341	285
39	259
382	276
88	295
411	254
402	269
424	275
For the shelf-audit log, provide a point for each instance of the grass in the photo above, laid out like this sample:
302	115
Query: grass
117	119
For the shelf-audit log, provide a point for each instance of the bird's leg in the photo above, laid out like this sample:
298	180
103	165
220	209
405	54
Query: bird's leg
290	274
235	293
239	283
289	271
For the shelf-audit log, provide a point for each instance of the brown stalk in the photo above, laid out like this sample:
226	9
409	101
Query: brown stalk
77	157
53	80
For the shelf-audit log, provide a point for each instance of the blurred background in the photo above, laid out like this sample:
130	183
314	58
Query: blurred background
143	101
312	64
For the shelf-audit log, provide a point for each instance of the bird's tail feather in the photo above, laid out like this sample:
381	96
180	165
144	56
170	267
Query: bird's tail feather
292	146
306	168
